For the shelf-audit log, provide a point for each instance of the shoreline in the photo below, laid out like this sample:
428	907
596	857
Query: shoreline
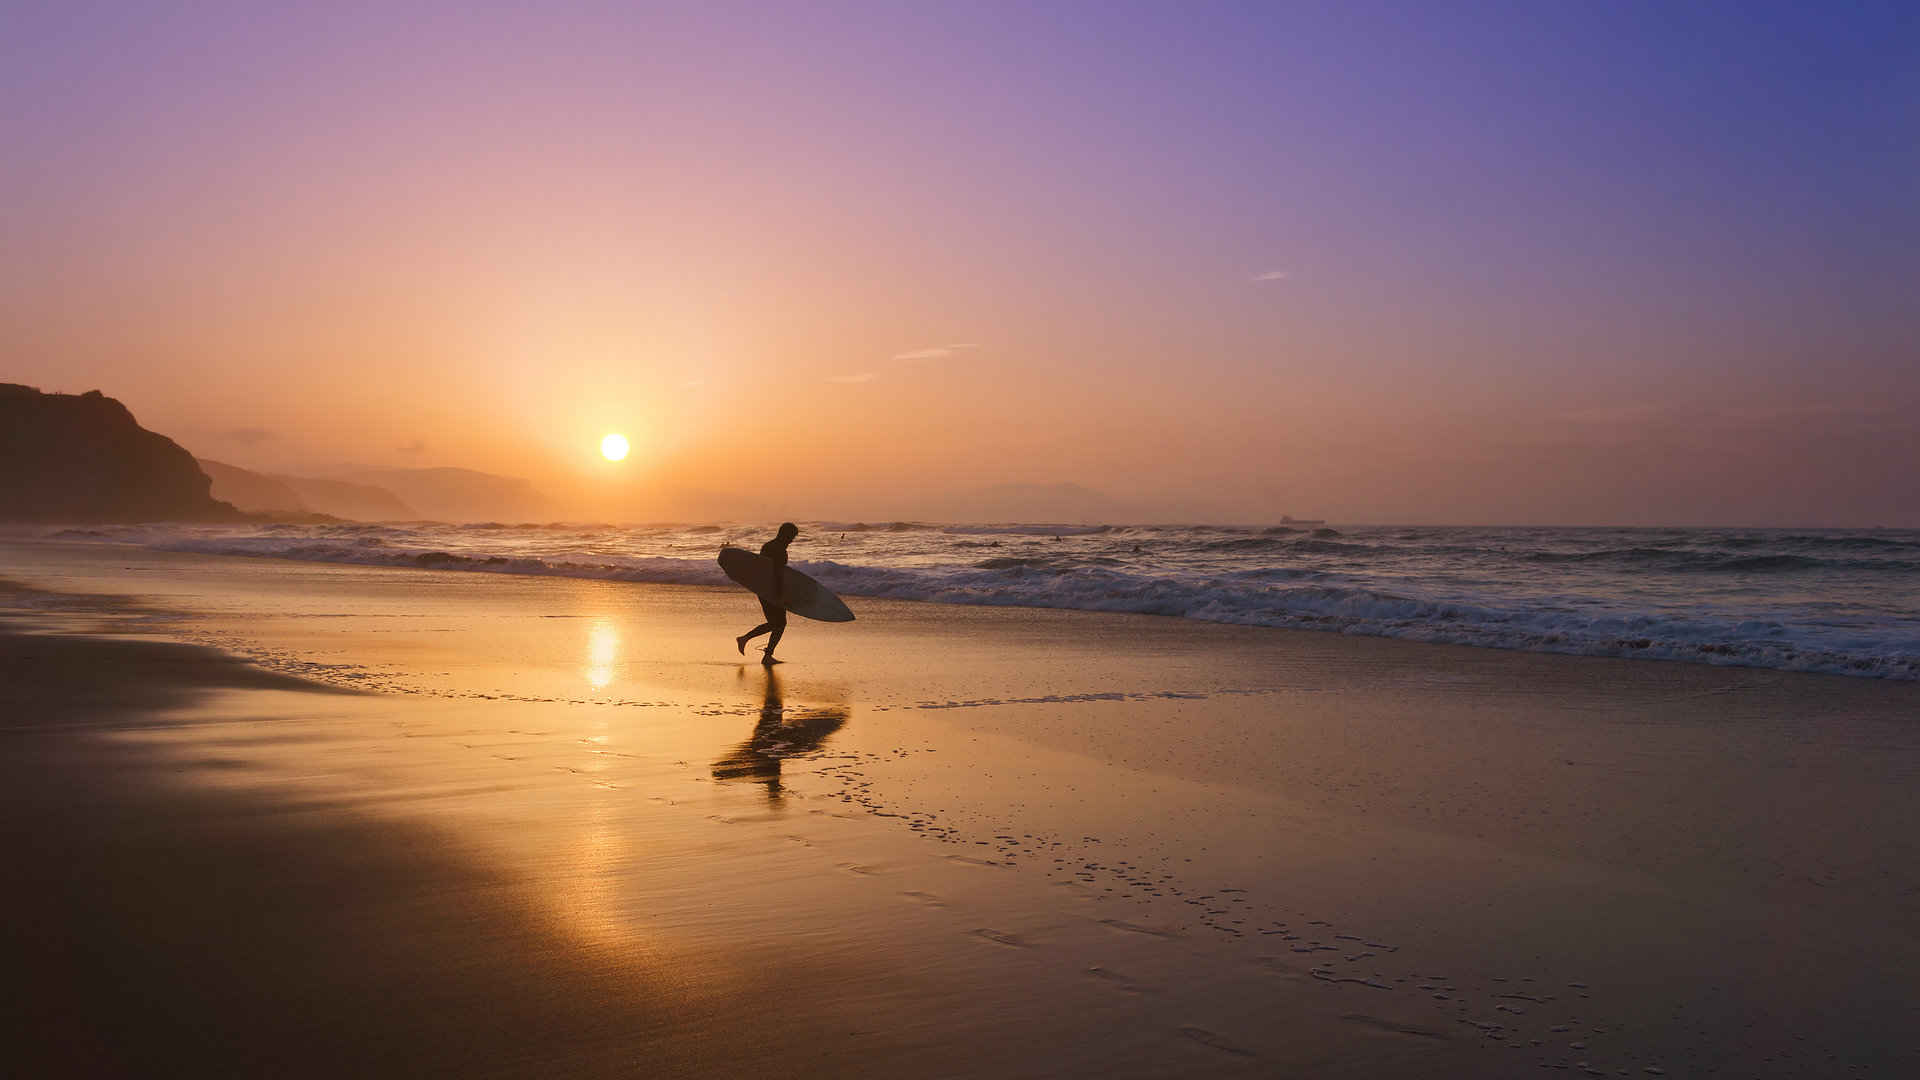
1770	630
1207	824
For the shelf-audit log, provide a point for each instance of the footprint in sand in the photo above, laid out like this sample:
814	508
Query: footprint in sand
1214	1041
1275	965
1393	1027
1328	976
926	898
1136	928
1117	980
1001	937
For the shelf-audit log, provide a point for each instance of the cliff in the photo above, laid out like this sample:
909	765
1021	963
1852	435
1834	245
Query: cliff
273	493
251	491
83	457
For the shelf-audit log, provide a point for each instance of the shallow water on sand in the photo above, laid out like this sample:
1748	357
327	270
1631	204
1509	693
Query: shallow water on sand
985	842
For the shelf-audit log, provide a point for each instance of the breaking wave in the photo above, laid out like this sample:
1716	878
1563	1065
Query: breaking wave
1840	603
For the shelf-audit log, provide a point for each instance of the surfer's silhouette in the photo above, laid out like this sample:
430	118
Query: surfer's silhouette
774	608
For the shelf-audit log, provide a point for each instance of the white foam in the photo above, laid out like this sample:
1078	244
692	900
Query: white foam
1244	592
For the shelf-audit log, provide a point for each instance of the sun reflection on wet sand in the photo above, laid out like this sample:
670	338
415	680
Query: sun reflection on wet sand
603	650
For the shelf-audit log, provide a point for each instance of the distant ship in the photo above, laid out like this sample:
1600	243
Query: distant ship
1286	520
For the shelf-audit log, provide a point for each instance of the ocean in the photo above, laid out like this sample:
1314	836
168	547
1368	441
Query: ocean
1827	600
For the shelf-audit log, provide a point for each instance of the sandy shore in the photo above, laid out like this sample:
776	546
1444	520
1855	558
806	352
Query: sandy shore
285	817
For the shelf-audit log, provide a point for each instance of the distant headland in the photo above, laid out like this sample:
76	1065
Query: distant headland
83	458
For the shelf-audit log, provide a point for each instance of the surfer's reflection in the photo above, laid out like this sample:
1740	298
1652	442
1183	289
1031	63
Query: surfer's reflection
776	737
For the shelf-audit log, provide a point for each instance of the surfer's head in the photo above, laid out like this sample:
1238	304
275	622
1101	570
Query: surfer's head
788	530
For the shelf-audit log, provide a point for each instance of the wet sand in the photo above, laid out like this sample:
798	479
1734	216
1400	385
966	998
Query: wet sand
286	817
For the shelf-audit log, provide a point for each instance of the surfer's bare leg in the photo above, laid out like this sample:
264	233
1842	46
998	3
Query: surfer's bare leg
776	625
740	642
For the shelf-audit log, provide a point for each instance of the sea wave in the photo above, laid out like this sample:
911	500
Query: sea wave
1024	530
1260	594
1823	543
1834	601
1373	612
1720	561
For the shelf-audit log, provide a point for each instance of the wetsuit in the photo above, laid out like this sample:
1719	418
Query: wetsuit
775	613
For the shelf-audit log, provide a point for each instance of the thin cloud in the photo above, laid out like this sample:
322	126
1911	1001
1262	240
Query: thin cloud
1273	275
413	448
250	436
912	356
936	352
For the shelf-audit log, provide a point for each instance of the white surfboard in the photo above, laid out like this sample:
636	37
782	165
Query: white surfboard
805	597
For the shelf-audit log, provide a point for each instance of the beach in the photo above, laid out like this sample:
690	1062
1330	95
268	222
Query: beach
318	818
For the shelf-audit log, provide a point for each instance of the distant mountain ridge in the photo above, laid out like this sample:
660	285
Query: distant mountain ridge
457	495
342	498
274	493
365	493
251	491
84	458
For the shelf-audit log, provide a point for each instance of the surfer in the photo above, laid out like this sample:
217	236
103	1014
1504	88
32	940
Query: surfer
773	607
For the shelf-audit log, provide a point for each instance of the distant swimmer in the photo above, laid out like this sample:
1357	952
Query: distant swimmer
773	604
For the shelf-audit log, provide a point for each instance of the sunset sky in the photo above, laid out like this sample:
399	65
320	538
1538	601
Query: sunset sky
1495	263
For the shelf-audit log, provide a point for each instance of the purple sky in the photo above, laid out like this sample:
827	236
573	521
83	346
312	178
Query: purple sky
1499	263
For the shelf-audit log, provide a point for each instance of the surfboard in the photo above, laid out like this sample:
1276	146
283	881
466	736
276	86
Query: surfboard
806	597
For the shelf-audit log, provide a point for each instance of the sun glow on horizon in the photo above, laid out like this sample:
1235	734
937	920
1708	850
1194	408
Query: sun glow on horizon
614	447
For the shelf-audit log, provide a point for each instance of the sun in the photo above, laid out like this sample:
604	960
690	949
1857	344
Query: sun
613	447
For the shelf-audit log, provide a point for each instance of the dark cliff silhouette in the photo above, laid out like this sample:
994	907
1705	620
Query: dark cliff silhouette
83	457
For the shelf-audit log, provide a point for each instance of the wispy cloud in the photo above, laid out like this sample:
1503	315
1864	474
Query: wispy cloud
936	352
250	436
412	448
911	356
1273	275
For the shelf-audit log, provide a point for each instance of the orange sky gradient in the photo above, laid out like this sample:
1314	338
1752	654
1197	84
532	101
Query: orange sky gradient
862	267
